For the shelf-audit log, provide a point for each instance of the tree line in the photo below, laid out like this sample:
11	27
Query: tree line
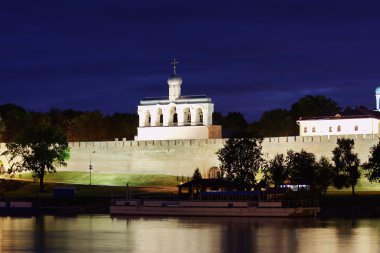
241	160
77	125
96	126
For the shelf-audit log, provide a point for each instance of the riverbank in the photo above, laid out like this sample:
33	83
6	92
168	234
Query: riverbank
96	199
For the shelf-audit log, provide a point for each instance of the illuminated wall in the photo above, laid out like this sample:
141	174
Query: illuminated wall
182	157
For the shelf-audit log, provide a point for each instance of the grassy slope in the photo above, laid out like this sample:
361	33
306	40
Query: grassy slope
105	179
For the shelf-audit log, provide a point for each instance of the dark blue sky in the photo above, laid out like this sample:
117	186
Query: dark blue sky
249	56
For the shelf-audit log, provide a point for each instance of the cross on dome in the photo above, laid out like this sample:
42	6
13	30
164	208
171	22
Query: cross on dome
174	63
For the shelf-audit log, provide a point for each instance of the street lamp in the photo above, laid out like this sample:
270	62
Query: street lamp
90	167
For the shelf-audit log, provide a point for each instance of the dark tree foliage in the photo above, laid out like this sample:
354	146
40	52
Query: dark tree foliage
15	118
2	129
301	164
39	149
346	164
197	175
312	106
89	126
122	125
276	123
372	167
217	118
63	118
240	159
234	125
324	175
275	171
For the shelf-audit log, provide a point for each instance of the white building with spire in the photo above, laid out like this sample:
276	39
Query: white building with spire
176	117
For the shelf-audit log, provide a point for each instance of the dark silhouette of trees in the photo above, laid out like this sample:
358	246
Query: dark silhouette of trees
197	175
15	118
301	164
324	175
240	159
276	123
312	106
346	164
275	171
372	167
39	149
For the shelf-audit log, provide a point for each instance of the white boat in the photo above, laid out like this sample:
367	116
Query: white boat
215	208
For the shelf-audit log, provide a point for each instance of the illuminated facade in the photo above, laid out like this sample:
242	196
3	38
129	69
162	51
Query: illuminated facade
176	117
338	125
342	125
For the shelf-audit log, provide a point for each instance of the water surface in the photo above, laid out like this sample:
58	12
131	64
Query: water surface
104	234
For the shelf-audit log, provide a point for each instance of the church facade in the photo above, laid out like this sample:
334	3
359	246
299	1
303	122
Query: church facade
176	117
368	123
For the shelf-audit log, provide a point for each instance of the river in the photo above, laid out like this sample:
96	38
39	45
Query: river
213	235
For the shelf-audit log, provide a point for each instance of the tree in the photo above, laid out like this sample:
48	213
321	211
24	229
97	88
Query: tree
275	171
89	126
301	164
14	118
39	149
312	106
234	125
240	159
2	129
346	164
197	175
372	167
275	123
324	175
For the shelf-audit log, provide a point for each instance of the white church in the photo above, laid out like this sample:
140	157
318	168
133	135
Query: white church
176	117
342	124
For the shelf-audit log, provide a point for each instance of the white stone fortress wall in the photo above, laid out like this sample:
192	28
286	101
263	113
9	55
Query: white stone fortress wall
182	157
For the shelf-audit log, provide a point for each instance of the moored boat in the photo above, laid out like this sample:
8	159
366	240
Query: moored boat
304	208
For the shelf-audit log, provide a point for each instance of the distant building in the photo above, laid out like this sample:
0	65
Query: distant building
366	122
176	117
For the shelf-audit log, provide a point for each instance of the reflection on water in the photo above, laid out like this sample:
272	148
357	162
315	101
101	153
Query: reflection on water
140	235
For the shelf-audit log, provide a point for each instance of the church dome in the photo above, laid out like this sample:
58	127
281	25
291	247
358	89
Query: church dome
174	80
377	91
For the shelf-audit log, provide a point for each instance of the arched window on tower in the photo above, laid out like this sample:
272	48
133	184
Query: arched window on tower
356	128
199	116
305	129
175	119
187	116
313	129
159	117
147	119
330	129
339	128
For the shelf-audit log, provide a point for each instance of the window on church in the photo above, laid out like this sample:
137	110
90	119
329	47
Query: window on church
161	119
175	119
305	129
199	116
330	129
313	129
339	128
356	128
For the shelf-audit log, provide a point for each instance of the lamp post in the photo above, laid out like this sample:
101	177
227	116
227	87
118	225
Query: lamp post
90	167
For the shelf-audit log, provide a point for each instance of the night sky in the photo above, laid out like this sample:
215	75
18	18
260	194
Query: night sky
248	56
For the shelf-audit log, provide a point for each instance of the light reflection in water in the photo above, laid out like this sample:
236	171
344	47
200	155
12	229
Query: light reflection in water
104	234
